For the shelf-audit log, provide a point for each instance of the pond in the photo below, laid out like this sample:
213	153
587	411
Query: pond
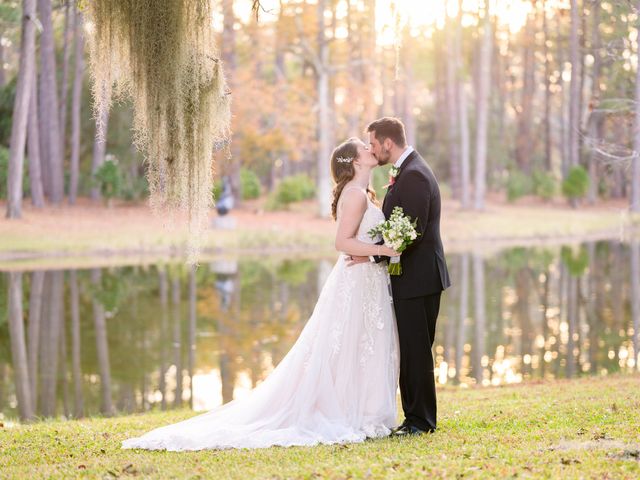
129	339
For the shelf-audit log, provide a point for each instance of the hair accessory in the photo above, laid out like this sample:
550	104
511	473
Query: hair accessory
344	159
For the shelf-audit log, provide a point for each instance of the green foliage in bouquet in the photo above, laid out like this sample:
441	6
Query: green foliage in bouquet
398	232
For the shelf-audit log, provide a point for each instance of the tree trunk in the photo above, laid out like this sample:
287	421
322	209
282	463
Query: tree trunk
354	80
547	92
102	347
76	103
99	151
229	61
324	109
524	137
484	86
33	146
49	107
76	339
635	169
408	90
69	20
595	119
453	138
18	347
574	98
464	116
26	73
563	136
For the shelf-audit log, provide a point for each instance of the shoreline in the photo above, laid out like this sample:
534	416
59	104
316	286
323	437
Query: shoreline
131	234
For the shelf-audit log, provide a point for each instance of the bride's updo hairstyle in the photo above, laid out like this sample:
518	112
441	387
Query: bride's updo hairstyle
343	171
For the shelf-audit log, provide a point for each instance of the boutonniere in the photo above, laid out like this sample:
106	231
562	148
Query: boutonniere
393	173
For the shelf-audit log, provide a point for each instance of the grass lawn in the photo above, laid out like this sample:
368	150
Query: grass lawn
587	428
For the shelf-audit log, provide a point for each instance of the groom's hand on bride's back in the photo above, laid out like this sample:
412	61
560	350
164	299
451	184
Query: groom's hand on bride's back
355	260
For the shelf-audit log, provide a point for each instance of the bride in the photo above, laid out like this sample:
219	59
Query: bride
338	382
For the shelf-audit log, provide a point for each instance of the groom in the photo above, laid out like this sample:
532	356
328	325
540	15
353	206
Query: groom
416	292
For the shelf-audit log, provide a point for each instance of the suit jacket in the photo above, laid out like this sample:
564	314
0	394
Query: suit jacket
416	190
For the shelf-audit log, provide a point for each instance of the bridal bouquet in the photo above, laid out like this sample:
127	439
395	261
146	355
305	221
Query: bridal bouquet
398	233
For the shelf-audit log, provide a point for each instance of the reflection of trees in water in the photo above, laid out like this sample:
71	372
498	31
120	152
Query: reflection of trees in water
127	326
464	311
19	347
164	326
177	337
35	315
262	317
52	318
76	342
102	346
559	313
192	330
480	315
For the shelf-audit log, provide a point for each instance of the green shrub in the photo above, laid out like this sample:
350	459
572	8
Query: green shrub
7	99
136	188
518	185
290	190
4	171
576	184
108	179
544	185
250	184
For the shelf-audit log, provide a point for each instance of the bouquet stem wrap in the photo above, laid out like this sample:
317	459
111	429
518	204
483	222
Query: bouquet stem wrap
395	267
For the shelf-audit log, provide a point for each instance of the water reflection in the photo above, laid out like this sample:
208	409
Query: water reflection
84	342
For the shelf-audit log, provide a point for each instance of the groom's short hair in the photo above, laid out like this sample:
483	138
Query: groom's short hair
389	127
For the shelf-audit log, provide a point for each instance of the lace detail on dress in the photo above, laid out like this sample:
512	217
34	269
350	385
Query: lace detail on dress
345	289
371	313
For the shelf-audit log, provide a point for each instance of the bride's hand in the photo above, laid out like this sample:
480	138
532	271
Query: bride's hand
388	252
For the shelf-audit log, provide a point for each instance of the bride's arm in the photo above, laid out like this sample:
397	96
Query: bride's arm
353	208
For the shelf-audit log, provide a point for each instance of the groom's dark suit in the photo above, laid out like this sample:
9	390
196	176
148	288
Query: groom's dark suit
416	292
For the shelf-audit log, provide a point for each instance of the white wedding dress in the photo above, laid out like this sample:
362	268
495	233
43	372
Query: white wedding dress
337	384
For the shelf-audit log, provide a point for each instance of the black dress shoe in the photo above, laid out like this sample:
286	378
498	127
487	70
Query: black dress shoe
407	429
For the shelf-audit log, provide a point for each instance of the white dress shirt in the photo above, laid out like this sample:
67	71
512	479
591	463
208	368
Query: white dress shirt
403	157
398	164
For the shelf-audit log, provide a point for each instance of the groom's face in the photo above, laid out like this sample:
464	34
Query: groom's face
379	150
